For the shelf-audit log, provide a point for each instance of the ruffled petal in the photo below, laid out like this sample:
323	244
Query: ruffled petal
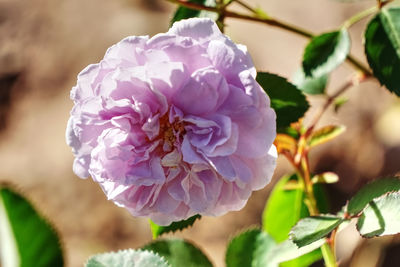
199	29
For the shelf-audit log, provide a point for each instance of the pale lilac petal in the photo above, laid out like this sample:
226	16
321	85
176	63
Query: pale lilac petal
263	168
189	154
70	136
255	141
199	29
243	171
81	166
86	84
165	202
128	50
205	84
224	167
229	59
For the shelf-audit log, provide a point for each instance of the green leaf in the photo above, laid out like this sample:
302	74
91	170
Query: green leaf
285	207
391	23
381	216
158	230
371	191
127	258
186	13
310	85
325	134
326	52
288	254
27	239
311	229
179	253
382	47
250	248
283	210
287	100
321	197
297	257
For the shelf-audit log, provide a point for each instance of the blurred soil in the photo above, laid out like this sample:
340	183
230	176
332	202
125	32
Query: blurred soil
45	43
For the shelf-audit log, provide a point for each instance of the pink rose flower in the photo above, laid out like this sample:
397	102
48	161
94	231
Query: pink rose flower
174	125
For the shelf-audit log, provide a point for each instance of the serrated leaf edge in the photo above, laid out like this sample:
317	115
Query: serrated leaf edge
190	242
128	251
392	33
371	182
242	231
41	214
361	212
239	233
177	229
316	72
291	234
307	105
381	79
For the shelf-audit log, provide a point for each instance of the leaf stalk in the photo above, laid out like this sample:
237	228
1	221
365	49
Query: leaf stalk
359	16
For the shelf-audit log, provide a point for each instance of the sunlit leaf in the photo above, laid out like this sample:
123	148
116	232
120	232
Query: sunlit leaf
126	258
371	191
289	254
381	216
283	210
310	85
382	47
311	229
326	52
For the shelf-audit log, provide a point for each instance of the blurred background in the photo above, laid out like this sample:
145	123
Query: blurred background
45	43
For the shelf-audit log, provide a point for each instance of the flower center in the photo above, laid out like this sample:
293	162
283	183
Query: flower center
171	132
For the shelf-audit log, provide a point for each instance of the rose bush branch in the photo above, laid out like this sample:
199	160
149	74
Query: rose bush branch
245	5
269	21
230	14
353	81
258	12
301	164
303	169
